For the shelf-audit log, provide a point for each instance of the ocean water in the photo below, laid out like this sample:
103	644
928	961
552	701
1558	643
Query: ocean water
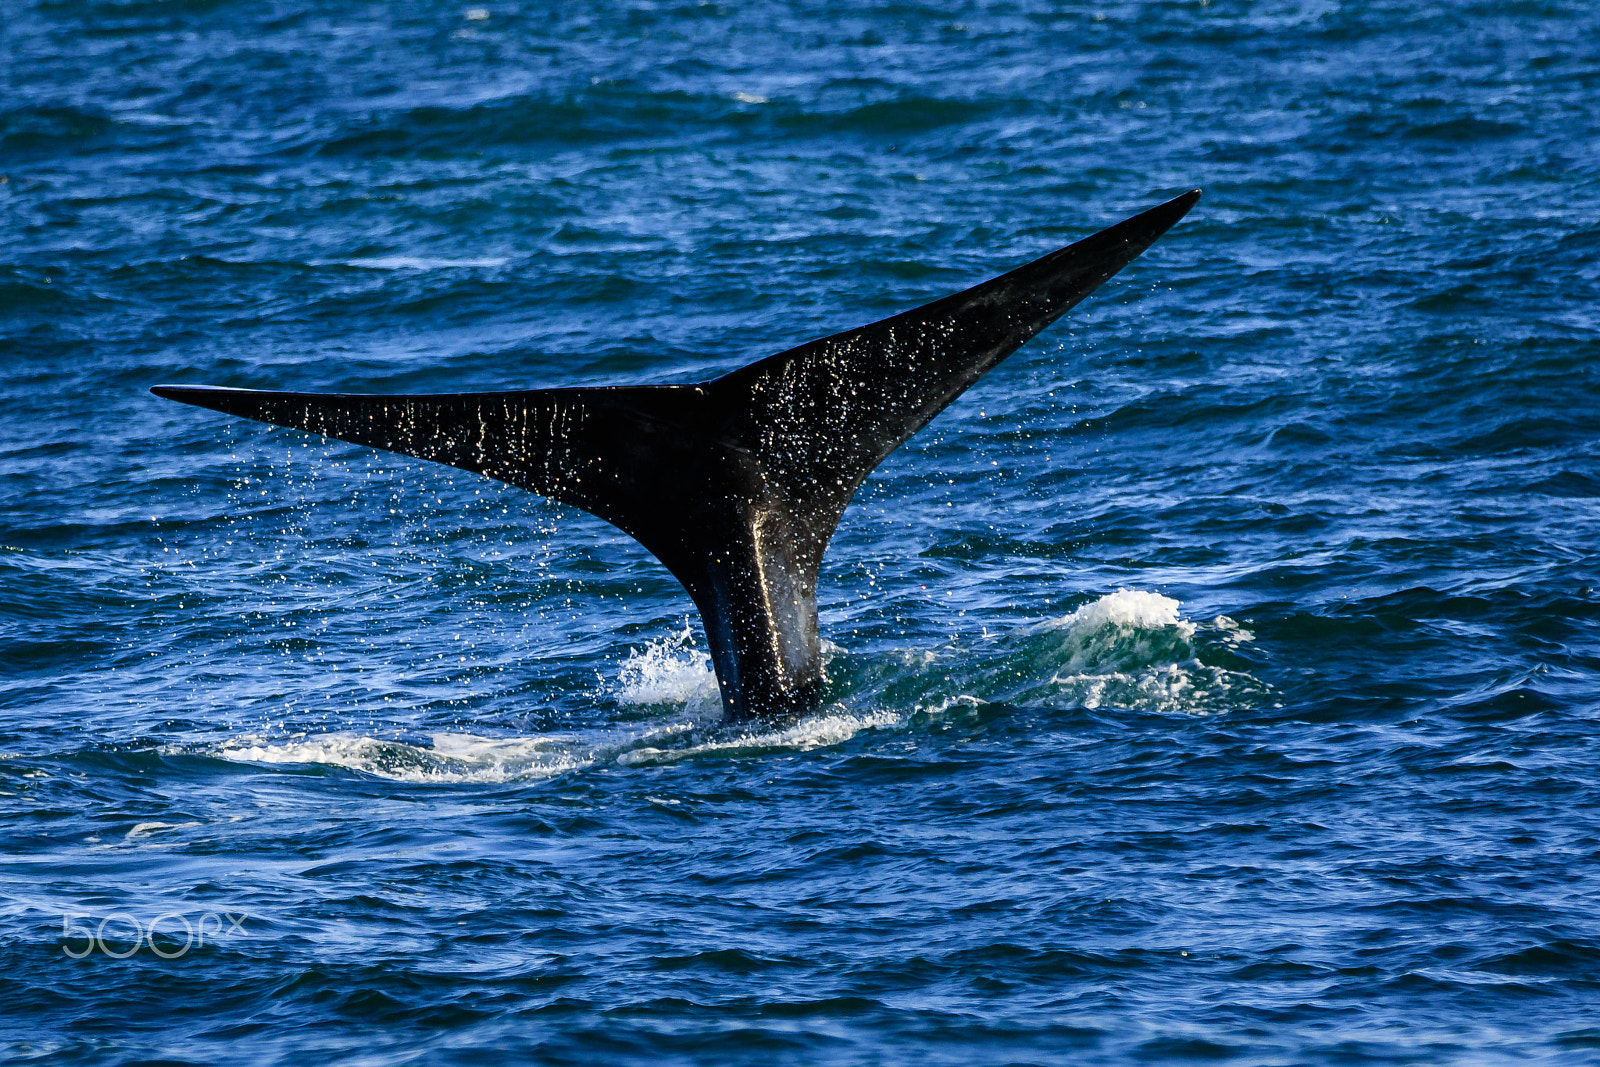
1216	681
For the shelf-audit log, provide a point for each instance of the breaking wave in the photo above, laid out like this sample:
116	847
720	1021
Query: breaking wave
1133	649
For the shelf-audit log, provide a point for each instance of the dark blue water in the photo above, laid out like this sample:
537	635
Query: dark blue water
1217	680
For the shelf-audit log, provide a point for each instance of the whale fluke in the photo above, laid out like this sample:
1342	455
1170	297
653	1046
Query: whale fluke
736	484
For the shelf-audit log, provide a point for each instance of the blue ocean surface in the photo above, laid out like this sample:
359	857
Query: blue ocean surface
1217	680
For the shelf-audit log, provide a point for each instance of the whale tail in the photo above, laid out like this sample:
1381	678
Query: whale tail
737	484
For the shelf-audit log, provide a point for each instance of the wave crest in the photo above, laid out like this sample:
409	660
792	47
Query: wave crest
1133	649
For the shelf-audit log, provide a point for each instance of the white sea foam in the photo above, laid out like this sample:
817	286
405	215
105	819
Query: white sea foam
944	706
142	829
1134	649
452	757
1192	687
817	731
1129	649
470	758
668	670
1126	608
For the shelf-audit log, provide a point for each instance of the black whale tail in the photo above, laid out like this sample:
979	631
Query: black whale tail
736	485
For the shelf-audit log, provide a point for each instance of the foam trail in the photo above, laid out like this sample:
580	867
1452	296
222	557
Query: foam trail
816	731
452	757
468	758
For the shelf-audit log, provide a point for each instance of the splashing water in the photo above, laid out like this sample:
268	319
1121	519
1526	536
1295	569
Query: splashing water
669	670
1129	649
1132	649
